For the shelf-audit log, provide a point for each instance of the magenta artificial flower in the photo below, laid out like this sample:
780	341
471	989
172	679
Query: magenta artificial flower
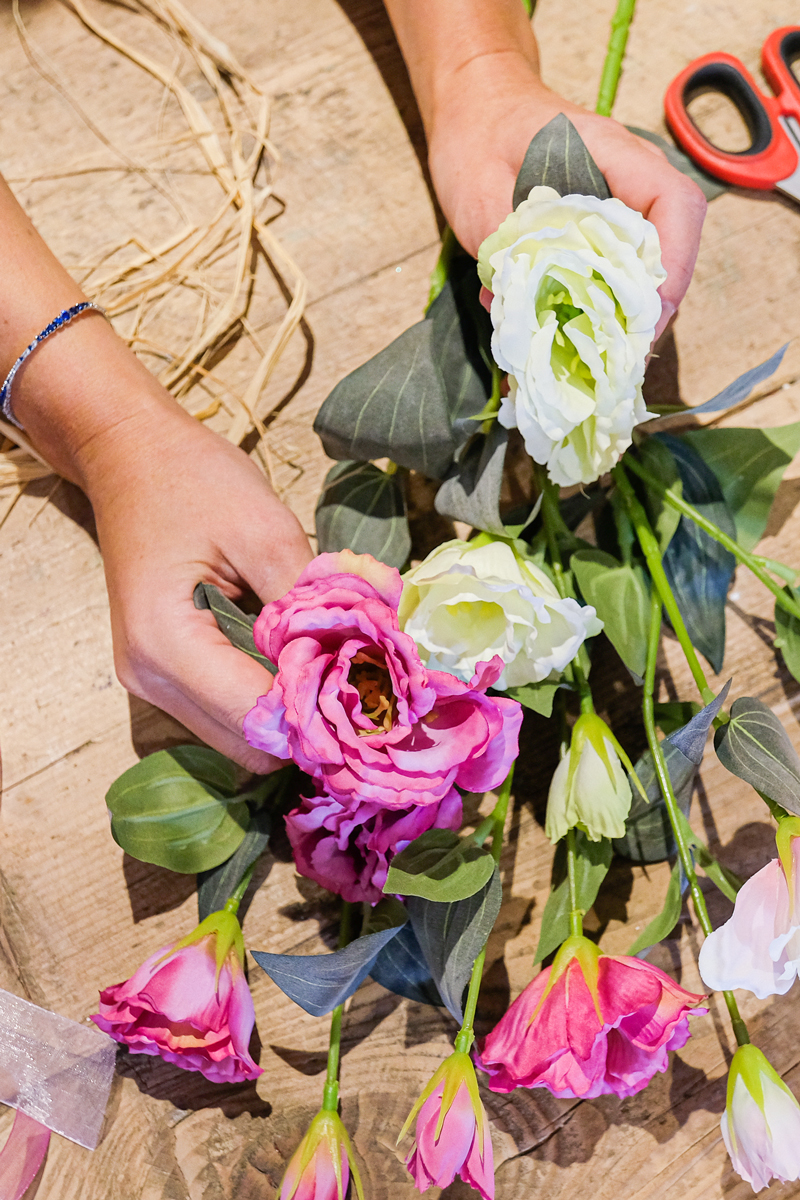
321	1166
452	1133
353	706
759	946
348	850
189	1003
590	1024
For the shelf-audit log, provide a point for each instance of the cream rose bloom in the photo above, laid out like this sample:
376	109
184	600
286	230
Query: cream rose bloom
469	601
575	307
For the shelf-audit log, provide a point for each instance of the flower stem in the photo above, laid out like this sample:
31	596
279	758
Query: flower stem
237	895
751	561
612	67
553	524
652	554
575	914
330	1093
673	811
466	1034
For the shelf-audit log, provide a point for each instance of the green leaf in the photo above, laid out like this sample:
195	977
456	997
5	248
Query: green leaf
178	808
441	866
235	624
363	509
656	456
401	968
698	568
749	464
451	936
662	925
471	492
709	186
538	696
787	639
727	881
591	867
741	387
558	158
622	601
755	747
671	715
462	346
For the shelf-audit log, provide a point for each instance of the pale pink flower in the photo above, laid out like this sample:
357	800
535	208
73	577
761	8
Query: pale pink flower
761	1122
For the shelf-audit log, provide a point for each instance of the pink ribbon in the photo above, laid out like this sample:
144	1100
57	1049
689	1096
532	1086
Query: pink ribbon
22	1156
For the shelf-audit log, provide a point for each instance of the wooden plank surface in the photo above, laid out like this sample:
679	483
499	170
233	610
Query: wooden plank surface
76	913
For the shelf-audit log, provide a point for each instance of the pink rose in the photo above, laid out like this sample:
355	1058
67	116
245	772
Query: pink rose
590	1024
348	850
189	1003
353	705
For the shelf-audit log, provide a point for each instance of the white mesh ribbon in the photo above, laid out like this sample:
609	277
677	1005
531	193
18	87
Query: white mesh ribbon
54	1070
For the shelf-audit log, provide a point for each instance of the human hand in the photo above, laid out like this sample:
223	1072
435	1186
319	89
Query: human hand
485	117
176	504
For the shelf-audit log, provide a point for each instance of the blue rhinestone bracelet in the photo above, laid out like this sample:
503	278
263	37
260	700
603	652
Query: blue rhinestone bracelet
62	319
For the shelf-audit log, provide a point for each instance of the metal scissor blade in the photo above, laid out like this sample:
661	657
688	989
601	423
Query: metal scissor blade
791	185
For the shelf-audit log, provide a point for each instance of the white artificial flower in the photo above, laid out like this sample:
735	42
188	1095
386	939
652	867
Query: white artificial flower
469	601
758	948
761	1122
575	306
589	788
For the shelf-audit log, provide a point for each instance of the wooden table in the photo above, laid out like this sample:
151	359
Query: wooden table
78	914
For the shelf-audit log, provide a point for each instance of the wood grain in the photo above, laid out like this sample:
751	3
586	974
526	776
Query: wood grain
76	913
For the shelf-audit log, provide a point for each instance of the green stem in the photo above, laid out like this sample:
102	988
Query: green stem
237	895
743	556
673	811
553	524
652	554
442	269
575	914
330	1093
612	67
466	1034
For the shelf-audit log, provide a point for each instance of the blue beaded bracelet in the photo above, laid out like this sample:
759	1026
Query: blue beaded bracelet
63	318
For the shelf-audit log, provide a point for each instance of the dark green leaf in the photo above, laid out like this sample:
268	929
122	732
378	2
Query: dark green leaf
672	714
698	568
558	158
710	187
591	867
727	882
215	886
178	808
741	388
471	492
318	982
452	936
749	464
439	865
538	696
662	925
401	968
691	739
755	747
461	344
235	624
657	458
787	639
622	601
363	509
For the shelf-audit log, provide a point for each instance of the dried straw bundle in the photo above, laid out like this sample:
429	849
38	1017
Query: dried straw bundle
206	272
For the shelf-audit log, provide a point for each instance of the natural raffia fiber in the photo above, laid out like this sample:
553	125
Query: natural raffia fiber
206	273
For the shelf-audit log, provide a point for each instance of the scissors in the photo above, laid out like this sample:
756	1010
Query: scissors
773	158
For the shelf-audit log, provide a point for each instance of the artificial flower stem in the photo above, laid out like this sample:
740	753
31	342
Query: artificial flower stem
466	1034
612	67
652	553
553	522
575	914
237	895
673	811
330	1093
748	560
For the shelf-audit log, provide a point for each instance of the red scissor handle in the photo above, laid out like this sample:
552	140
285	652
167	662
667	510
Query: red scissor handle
781	50
771	155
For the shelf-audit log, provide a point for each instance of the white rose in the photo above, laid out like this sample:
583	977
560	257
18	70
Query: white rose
574	311
469	601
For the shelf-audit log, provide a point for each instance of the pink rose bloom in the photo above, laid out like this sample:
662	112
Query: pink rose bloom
320	1167
590	1024
348	850
456	1141
758	948
353	705
189	1003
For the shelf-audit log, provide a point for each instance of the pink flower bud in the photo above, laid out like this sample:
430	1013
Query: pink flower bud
189	1003
321	1166
761	1122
